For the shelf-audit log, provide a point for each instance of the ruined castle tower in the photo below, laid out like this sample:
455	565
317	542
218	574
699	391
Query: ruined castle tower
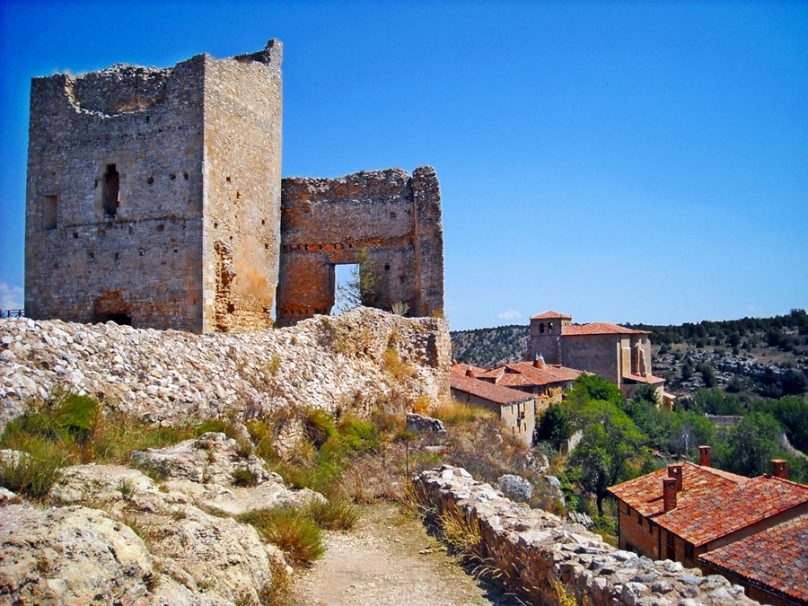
153	195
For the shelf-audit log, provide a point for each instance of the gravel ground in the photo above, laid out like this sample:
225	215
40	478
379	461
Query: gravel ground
386	560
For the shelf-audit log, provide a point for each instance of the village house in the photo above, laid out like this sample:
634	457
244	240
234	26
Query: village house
697	515
547	382
618	354
516	409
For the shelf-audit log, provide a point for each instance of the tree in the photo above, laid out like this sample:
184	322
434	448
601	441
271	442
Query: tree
751	444
555	425
707	374
604	455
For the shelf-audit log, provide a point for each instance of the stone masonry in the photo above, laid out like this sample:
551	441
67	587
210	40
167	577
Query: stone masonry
154	199
154	194
547	561
394	216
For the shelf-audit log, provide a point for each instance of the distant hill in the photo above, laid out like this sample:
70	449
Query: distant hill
490	346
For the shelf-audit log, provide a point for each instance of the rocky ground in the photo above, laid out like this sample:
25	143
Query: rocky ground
171	376
111	534
390	560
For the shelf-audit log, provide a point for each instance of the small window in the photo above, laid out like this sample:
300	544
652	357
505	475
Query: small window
541	327
111	193
688	551
49	212
639	521
549	327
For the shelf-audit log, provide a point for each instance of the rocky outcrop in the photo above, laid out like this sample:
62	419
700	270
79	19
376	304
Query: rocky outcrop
139	541
545	560
77	556
423	423
171	377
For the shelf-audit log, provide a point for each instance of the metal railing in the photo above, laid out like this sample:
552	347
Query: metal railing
12	313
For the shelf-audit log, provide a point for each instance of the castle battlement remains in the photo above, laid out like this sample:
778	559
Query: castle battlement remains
154	198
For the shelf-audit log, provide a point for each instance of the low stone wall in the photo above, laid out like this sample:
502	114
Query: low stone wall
173	377
548	561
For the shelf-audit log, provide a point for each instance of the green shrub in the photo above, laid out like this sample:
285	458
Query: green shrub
357	436
296	534
334	514
319	426
218	426
244	477
36	469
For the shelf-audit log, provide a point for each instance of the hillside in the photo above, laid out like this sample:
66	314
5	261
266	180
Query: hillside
490	346
753	356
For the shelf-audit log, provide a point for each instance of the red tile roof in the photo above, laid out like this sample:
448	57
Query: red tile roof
462	368
712	503
525	374
600	328
774	559
496	394
551	315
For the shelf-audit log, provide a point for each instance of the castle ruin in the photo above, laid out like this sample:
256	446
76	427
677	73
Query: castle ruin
155	198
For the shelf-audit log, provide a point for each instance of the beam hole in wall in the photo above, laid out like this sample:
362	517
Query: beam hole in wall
227	179
150	180
386	267
75	234
160	227
49	211
172	176
263	221
185	176
111	193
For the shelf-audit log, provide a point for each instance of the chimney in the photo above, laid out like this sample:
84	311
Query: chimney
704	456
469	373
675	472
539	361
780	468
668	494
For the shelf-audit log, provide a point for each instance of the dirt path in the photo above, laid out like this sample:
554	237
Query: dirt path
389	561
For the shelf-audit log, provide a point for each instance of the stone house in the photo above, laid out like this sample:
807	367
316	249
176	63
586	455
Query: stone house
154	198
618	354
547	382
694	514
516	409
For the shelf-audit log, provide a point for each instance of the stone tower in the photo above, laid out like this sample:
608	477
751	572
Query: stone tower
154	195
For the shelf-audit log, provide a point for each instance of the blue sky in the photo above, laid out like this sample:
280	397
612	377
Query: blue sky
619	161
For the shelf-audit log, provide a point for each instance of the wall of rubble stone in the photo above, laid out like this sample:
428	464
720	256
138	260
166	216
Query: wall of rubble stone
544	559
394	216
153	195
176	377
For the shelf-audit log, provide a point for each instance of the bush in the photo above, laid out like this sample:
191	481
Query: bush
334	514
244	477
296	534
219	426
35	469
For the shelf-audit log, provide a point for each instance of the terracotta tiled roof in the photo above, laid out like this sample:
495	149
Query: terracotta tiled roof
712	503
525	374
488	391
461	369
774	559
551	315
599	328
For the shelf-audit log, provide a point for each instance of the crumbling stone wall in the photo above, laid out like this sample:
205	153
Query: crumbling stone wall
153	195
544	559
394	216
